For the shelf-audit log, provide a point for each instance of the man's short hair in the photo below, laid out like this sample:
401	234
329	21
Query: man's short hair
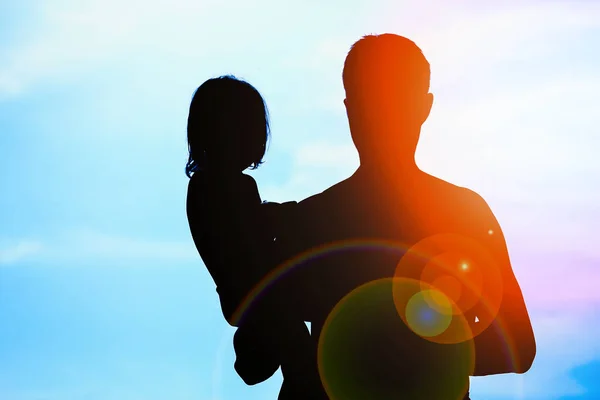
382	62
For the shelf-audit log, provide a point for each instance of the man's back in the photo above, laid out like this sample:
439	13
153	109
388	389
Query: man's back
362	227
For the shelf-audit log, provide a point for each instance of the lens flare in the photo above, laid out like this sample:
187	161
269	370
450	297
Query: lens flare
460	280
428	313
449	286
462	274
366	351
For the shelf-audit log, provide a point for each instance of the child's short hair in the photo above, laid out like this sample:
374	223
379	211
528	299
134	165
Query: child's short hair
227	114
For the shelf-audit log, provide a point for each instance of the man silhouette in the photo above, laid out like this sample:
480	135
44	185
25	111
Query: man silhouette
386	80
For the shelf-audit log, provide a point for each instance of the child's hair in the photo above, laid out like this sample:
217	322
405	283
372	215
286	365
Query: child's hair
227	116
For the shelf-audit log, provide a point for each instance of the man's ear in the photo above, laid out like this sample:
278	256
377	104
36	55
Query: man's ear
427	107
347	105
430	100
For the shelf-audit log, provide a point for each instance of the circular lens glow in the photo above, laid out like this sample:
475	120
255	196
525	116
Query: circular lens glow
366	351
428	313
460	269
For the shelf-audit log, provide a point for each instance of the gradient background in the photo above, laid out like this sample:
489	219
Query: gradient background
102	293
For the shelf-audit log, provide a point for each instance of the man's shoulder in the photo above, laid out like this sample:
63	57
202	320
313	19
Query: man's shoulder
457	193
332	195
464	206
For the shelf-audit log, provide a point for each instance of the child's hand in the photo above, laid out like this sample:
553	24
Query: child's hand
257	358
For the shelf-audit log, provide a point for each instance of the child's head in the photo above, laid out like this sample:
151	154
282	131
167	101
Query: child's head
228	126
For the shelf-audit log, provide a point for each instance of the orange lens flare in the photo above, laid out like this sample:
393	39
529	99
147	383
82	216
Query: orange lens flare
428	313
457	277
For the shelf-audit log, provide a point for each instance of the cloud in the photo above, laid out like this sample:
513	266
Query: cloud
76	37
463	42
316	165
467	41
324	155
90	244
20	251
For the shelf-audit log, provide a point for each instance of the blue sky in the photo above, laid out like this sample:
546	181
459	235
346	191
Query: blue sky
102	294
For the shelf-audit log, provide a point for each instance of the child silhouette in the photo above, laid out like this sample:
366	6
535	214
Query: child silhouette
228	129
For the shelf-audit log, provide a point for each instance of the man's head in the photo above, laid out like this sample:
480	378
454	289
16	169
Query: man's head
386	78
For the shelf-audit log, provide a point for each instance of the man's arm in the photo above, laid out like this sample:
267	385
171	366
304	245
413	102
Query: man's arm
508	344
292	281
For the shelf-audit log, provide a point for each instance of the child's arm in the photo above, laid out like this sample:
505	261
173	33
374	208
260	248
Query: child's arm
223	219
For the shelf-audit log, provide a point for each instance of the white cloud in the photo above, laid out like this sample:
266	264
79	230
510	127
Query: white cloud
323	155
469	41
78	37
519	135
11	254
462	42
90	244
83	35
87	245
316	165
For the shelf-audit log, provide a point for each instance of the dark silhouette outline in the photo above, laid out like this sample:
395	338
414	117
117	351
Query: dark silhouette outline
228	130
386	79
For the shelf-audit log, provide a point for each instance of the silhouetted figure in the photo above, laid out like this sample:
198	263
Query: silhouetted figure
386	79
227	133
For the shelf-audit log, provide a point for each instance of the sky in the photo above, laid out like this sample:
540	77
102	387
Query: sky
102	293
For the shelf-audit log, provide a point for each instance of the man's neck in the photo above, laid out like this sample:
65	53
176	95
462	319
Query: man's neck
389	168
